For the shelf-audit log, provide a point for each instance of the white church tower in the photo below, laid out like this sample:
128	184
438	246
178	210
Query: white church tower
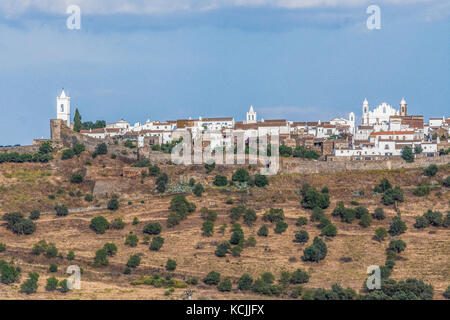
352	121
403	107
365	112
63	108
251	116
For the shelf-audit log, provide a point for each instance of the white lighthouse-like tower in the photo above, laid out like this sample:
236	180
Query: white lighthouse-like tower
63	108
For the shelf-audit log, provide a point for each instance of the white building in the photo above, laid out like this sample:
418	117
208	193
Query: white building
382	113
63	108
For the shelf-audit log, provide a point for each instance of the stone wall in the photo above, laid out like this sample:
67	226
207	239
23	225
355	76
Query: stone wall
70	137
295	165
20	149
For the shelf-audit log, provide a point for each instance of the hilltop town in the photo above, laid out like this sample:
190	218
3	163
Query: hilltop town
108	202
384	131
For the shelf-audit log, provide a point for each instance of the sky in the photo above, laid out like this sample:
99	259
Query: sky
302	60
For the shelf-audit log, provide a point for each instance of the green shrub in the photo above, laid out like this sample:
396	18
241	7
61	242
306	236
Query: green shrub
89	197
53	267
117	224
392	195
360	211
301	236
101	148
52	284
225	285
113	204
422	190
397	227
245	282
273	215
240	175
171	265
76	178
301	221
329	230
153	228
18	224
157	243
222	249
220	181
78	148
131	240
263	231
101	258
35	215
111	249
2	247
250	216
236	251
397	245
64	286
9	273
208	215
316	252
296	292
379	214
192	281
268	277
198	189
280	227
51	251
67	154
261	181
421	223
317	214
208	228
365	221
70	255
299	276
302	152
45	148
212	278
61	210
313	198
210	166
434	218
99	225
237	212
431	170
31	284
446	293
446	182
380	234
134	261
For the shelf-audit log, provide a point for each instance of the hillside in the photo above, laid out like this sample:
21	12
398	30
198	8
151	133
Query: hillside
40	186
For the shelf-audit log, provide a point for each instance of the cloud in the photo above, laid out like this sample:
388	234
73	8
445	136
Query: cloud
11	8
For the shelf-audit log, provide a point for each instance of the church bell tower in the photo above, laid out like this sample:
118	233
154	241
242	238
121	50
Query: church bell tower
63	108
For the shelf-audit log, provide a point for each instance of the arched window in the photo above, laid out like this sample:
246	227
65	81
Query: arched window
62	108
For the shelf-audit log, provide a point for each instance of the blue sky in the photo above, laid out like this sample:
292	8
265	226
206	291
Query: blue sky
163	60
